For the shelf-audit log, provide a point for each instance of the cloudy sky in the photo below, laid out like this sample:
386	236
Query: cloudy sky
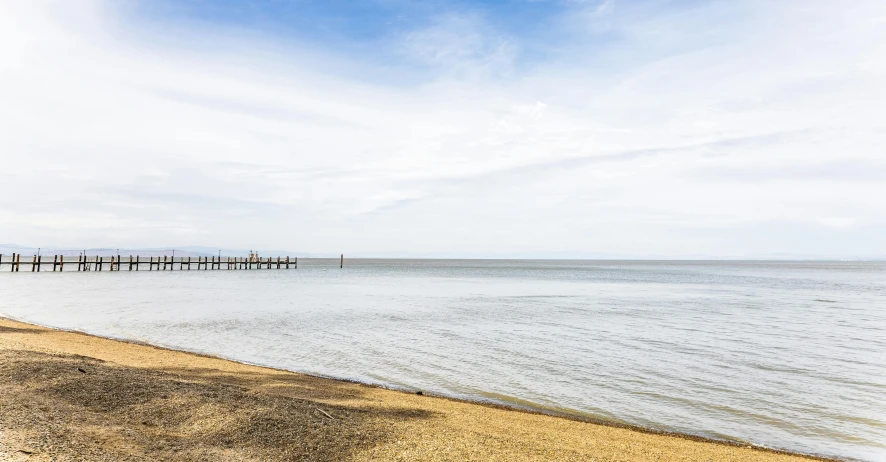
614	128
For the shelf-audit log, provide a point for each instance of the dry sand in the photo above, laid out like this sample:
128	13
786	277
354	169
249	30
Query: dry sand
72	396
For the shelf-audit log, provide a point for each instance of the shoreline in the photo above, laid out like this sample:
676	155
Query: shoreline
620	439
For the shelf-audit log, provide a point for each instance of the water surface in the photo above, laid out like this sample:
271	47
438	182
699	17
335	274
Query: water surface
787	354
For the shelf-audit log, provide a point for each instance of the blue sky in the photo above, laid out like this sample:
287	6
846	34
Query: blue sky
616	128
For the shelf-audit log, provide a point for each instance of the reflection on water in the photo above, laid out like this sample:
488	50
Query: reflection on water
789	355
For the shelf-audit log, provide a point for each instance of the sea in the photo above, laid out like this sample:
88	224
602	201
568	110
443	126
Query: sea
788	355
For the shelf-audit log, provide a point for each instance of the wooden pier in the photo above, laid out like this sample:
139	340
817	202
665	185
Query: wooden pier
35	263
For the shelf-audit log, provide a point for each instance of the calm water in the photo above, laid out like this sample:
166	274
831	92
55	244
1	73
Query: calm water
789	355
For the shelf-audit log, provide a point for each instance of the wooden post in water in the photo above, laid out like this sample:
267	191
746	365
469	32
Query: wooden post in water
34	264
189	264
18	262
54	262
12	265
136	262
296	262
341	263
287	262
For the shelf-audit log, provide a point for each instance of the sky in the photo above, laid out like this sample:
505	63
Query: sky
447	128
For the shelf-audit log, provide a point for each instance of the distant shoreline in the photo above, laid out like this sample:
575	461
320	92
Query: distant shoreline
545	435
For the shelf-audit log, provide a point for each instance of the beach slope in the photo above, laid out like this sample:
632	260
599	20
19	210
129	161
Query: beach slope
72	396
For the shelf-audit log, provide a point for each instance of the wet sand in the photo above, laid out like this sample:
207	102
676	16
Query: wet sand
72	396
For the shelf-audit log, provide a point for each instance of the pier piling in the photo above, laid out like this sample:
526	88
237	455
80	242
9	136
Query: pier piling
115	263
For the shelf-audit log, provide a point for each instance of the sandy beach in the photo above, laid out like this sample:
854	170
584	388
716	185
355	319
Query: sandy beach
71	396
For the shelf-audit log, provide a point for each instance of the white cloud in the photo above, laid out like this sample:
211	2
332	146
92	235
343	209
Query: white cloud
666	137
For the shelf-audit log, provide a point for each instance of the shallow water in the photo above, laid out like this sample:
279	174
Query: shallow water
788	355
